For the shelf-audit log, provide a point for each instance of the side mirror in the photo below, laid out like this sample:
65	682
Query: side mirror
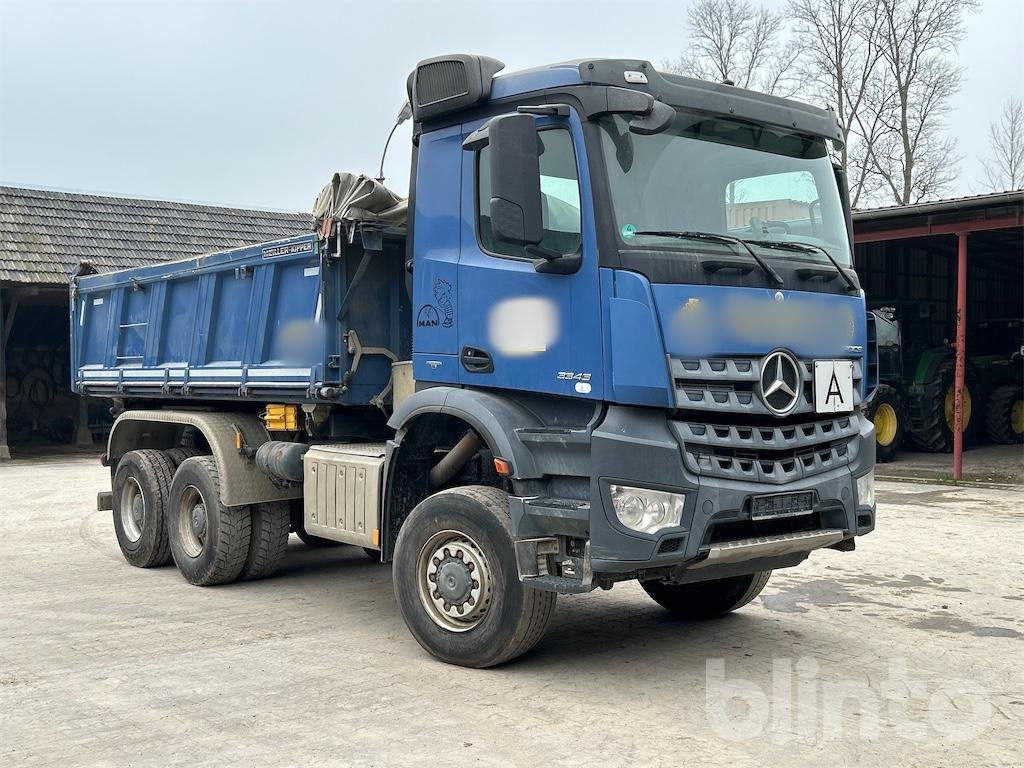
516	213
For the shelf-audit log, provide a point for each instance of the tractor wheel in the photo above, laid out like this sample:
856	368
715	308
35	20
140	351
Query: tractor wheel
936	435
1004	416
887	414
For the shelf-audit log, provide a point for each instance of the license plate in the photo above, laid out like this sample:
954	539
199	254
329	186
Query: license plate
833	386
781	505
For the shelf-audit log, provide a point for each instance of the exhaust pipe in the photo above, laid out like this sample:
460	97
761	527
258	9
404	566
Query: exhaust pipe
455	459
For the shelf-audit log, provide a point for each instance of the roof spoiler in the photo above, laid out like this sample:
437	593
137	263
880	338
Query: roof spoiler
445	84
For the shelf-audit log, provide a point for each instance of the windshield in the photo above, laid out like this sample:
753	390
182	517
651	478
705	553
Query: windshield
709	175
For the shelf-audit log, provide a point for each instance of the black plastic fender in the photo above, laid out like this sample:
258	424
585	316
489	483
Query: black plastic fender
494	417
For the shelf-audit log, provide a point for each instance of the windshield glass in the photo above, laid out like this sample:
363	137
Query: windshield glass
706	174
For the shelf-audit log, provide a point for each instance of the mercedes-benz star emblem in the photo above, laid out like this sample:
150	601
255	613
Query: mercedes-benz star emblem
780	382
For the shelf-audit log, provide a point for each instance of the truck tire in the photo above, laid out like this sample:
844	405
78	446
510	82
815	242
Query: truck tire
141	489
485	616
268	540
935	434
707	599
1004	415
209	541
178	455
886	412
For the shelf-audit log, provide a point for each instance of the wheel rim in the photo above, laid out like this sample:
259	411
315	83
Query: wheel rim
133	510
1017	417
885	424
192	521
950	398
454	581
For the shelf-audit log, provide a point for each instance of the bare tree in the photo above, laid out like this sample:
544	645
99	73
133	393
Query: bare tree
912	155
734	40
841	53
1004	169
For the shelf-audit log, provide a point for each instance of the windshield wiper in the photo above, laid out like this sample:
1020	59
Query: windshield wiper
785	245
714	237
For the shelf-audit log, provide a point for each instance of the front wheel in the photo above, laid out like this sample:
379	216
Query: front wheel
886	413
707	599
457	584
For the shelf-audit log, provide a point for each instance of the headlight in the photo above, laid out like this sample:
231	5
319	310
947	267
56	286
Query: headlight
866	490
645	510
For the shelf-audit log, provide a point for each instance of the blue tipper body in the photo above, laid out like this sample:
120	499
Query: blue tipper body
254	322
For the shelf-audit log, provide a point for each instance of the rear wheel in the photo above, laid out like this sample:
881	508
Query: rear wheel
707	599
178	455
209	541
457	584
935	433
268	539
886	412
1004	415
140	492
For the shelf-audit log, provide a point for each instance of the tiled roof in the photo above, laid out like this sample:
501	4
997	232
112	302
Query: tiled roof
44	234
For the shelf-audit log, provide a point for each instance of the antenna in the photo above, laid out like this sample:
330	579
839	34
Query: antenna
403	114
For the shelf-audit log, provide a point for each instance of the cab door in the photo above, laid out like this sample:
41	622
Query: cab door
520	329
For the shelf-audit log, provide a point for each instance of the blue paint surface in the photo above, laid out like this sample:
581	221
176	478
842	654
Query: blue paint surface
259	321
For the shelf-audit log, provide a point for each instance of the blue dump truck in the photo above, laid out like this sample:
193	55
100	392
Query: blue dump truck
614	333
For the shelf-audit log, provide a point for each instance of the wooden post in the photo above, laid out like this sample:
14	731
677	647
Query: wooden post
961	356
5	451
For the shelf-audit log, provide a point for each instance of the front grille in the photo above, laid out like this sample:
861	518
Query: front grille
742	439
730	384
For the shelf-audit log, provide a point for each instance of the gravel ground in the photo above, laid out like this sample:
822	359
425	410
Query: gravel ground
905	652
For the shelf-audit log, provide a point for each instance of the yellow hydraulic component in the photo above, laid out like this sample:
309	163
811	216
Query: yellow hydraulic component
885	421
282	418
949	407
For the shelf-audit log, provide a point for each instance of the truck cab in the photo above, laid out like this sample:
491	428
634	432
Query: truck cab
673	303
637	345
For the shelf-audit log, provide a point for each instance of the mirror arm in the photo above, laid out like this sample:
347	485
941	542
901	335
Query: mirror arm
543	252
562	265
478	139
544	110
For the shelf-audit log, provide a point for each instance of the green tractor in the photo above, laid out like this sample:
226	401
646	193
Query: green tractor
996	348
915	395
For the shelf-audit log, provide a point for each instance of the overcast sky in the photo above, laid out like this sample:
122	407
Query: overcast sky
255	104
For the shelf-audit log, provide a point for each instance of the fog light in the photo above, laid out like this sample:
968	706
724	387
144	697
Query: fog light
647	511
866	490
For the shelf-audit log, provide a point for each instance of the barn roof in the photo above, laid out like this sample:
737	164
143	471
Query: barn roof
45	234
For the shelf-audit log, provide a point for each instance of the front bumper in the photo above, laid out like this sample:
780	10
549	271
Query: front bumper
717	536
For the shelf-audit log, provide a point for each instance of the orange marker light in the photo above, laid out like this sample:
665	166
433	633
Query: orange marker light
502	467
375	537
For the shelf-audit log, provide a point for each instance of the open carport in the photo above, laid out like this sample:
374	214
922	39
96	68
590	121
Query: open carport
947	281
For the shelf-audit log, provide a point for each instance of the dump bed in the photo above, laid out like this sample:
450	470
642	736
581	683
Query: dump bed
301	319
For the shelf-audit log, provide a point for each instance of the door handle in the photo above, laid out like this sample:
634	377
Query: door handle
476	360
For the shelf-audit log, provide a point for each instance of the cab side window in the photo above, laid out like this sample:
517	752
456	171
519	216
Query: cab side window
560	198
